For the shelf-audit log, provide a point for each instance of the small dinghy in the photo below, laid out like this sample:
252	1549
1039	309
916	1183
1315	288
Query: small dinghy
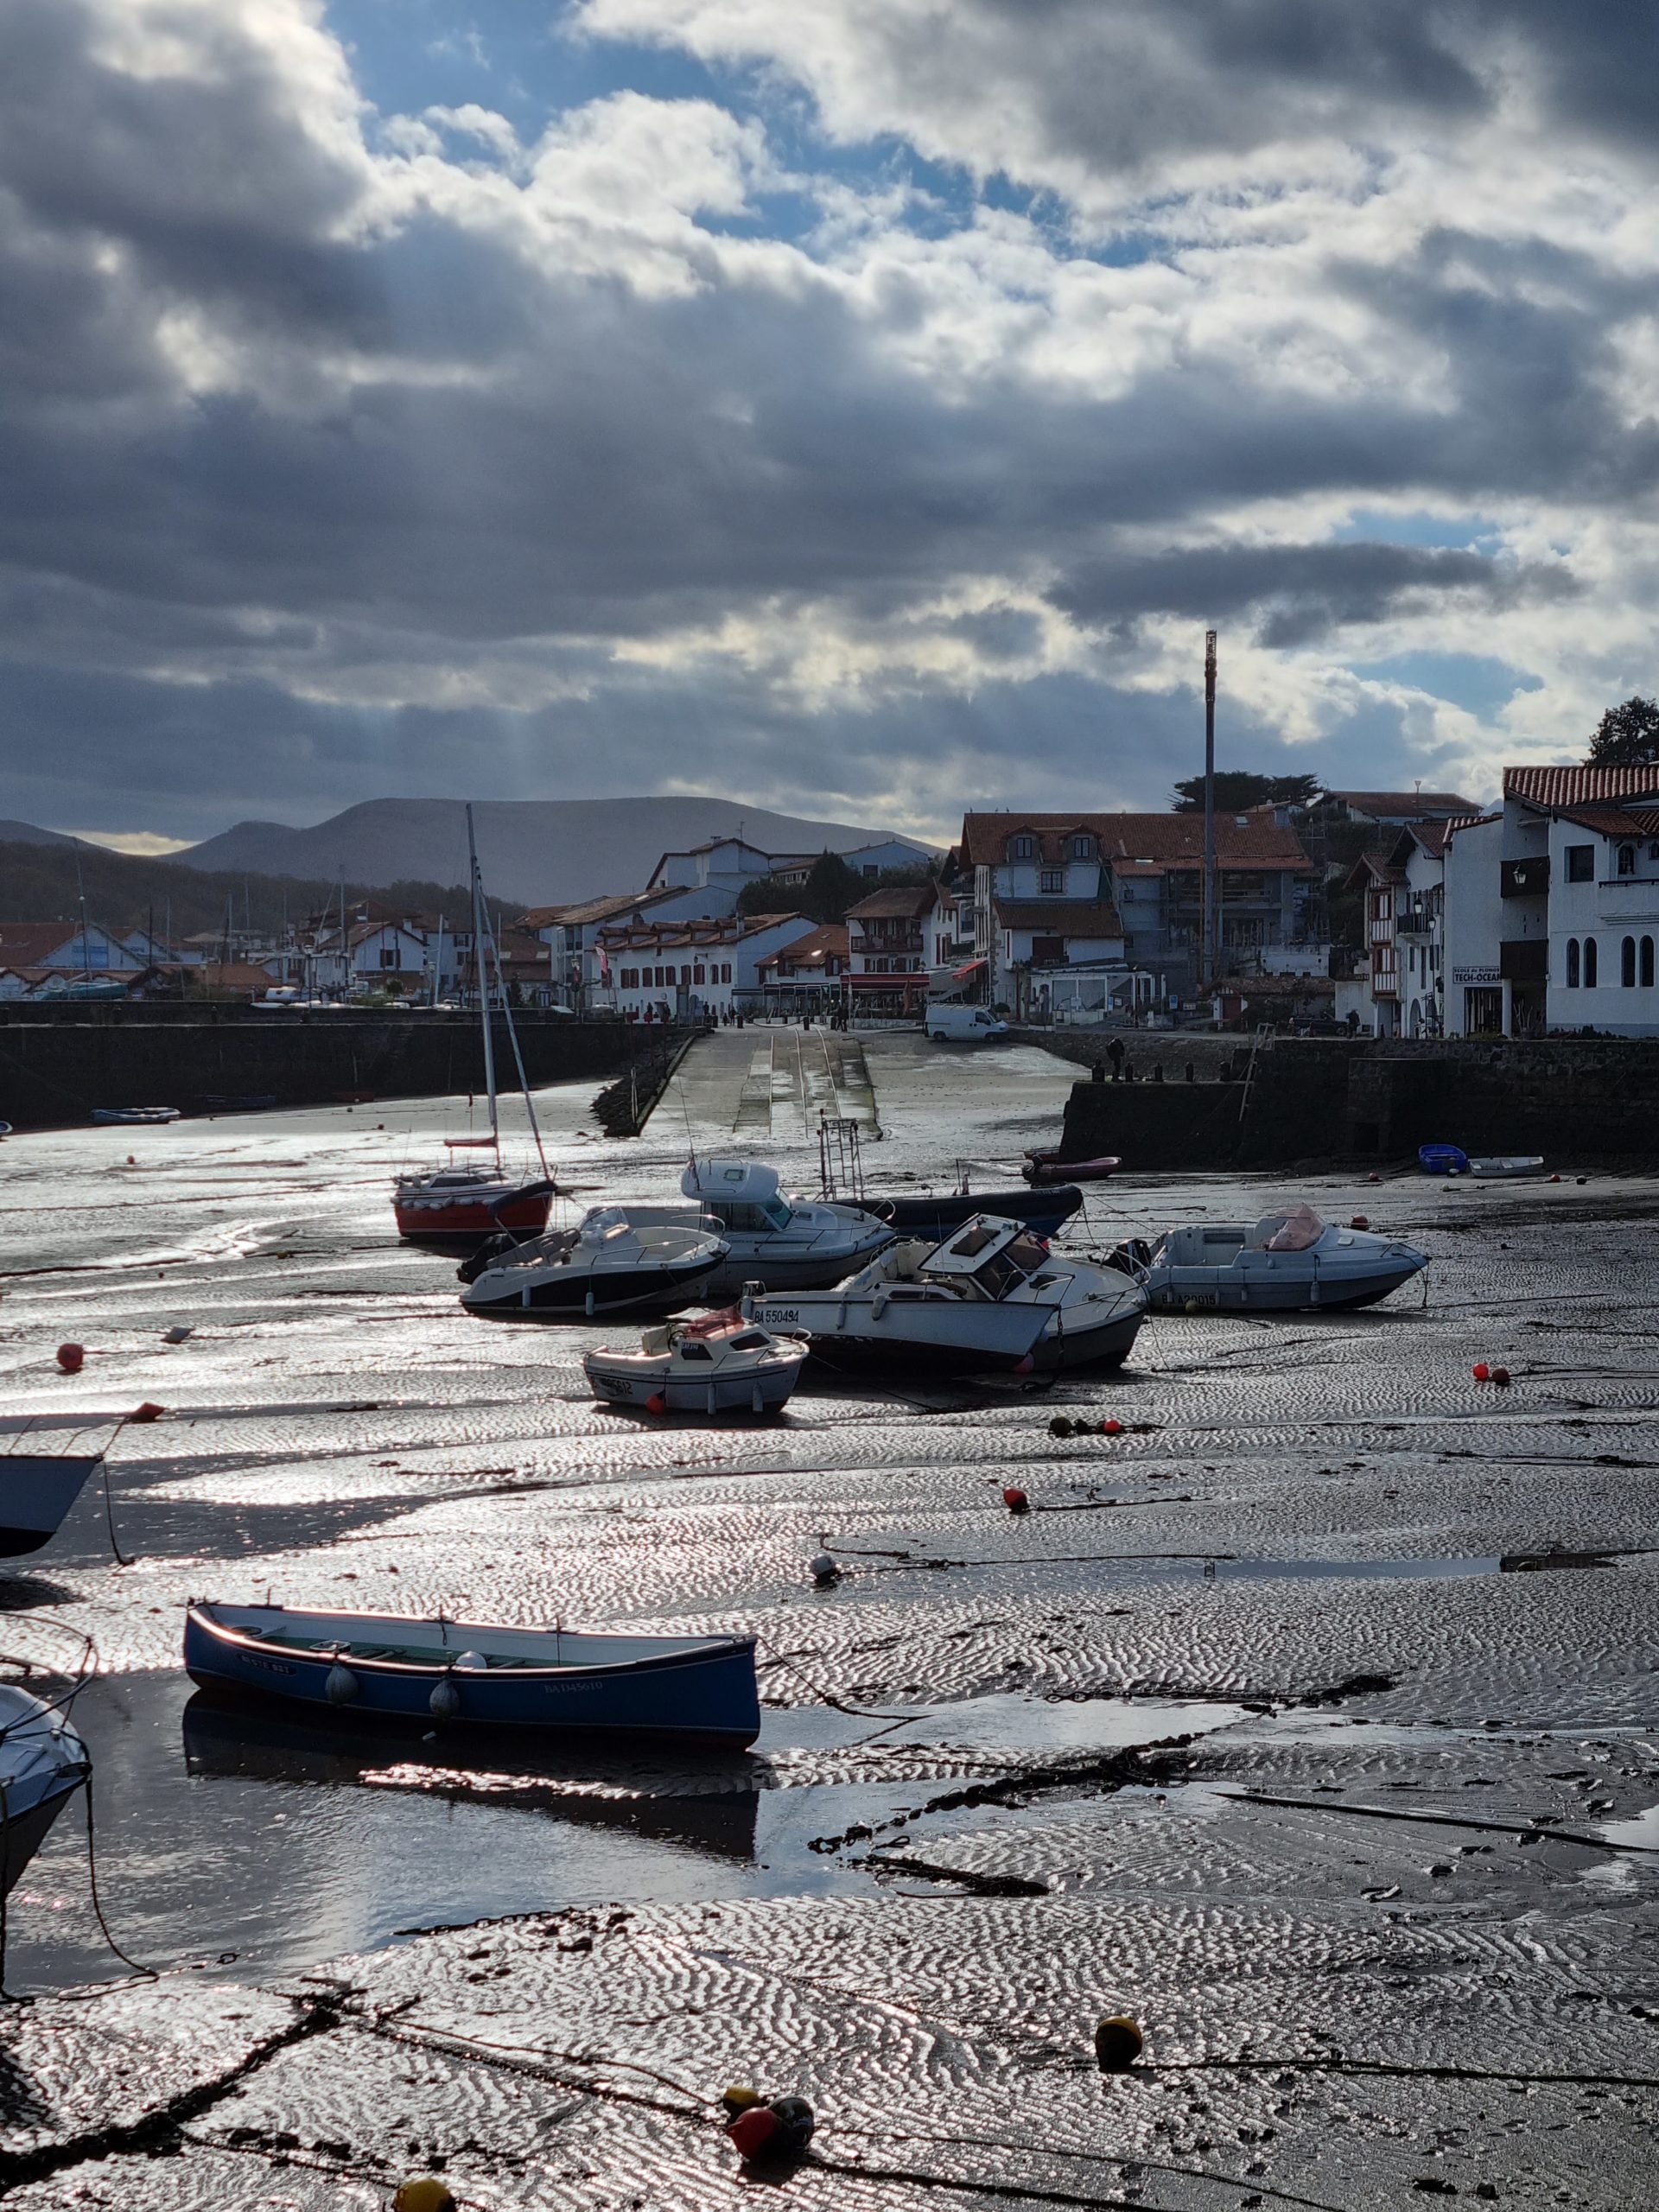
1442	1160
1048	1167
136	1116
1044	1210
42	1763
1499	1166
386	1667
44	1460
607	1264
1286	1263
720	1364
990	1296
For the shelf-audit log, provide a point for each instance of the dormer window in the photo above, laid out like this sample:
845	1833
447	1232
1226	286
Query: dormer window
1021	848
1082	848
1627	860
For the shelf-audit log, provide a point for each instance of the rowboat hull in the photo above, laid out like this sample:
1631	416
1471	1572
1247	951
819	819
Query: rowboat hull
1042	1171
26	1831
695	1691
1045	1212
37	1489
623	1382
460	1223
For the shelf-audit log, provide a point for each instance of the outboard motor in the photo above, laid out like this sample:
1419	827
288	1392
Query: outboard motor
1131	1258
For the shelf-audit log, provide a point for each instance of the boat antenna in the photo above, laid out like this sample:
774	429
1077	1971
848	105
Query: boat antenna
480	977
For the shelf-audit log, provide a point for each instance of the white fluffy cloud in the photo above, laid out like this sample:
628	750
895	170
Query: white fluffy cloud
911	400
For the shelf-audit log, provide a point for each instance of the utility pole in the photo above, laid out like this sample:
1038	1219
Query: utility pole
1207	973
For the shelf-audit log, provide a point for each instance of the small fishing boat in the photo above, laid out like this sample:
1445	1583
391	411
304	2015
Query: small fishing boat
390	1669
45	1460
1048	1167
1499	1168
1286	1263
608	1263
1044	1212
42	1763
1442	1160
990	1296
721	1363
136	1116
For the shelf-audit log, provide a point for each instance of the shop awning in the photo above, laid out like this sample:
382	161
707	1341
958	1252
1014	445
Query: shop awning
960	975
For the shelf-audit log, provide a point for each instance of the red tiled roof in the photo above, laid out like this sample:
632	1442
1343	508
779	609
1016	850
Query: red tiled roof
1578	786
904	901
1377	868
1615	820
827	942
31	944
1060	916
596	910
1413	806
670	937
1155	842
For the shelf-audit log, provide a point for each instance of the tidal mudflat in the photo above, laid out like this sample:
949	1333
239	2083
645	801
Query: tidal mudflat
1310	1719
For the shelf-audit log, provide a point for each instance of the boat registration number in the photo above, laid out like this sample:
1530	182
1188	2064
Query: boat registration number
782	1316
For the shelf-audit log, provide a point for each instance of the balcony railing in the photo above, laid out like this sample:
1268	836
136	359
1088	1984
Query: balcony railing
1628	897
1523	879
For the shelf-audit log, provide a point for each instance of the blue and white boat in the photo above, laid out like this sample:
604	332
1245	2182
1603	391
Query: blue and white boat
42	1763
391	1668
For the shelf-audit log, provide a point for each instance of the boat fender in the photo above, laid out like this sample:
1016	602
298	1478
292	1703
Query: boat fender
752	2132
341	1686
823	1570
70	1358
655	1404
445	1701
757	1403
879	1303
587	1305
1015	1499
425	2193
795	2121
1118	2043
740	2097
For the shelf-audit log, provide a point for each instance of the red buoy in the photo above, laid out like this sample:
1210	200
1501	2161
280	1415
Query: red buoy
752	2131
70	1358
1360	1221
1015	1499
1111	1428
1554	1178
1373	1177
1501	1376
1481	1372
655	1404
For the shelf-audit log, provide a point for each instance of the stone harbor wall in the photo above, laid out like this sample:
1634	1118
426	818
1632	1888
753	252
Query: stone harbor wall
1323	1098
57	1065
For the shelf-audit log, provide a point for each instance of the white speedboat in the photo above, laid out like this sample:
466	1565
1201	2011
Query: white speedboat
42	1763
722	1364
1286	1263
609	1263
777	1239
992	1295
44	1460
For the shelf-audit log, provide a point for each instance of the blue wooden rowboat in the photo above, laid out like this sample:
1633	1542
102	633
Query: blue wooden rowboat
390	1668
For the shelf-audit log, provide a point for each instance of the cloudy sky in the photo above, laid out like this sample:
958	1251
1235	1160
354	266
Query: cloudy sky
859	407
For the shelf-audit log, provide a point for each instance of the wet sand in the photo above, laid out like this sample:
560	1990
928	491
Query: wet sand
1146	1748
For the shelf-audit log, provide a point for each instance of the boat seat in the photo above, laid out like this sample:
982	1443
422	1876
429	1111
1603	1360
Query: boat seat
408	1655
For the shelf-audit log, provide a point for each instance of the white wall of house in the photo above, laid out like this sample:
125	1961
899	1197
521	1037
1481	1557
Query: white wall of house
1474	924
694	978
1419	948
1604	893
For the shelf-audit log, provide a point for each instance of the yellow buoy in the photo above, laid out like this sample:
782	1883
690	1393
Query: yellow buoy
425	2193
1118	2043
740	2097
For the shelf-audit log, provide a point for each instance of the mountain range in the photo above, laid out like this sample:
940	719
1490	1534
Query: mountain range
538	851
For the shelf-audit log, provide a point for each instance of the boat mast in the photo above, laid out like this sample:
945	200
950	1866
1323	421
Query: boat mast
481	976
517	1055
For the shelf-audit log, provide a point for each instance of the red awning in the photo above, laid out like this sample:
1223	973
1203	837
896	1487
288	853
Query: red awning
960	975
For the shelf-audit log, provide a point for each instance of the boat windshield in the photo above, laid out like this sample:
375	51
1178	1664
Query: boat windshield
1296	1229
778	1211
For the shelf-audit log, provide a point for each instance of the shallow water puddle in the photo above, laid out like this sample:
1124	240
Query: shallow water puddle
235	1841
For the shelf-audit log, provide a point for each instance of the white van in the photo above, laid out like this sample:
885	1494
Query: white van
966	1024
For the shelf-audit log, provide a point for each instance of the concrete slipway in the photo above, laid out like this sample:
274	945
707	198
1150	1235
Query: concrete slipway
1311	1720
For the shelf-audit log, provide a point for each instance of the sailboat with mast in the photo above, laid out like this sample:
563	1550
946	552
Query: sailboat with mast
453	1206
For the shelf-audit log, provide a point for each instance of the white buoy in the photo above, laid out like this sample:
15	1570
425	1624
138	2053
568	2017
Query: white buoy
341	1686
445	1701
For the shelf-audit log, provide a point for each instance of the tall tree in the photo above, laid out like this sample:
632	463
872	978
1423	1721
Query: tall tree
1626	736
830	888
1238	788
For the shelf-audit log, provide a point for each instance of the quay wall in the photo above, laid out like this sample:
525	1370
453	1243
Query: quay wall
1372	1100
57	1064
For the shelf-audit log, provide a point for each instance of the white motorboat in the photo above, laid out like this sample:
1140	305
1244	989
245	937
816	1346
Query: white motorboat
608	1263
992	1295
779	1239
1286	1263
721	1363
137	1117
42	1763
45	1460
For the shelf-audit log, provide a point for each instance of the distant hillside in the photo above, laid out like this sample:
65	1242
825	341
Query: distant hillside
25	833
539	851
38	883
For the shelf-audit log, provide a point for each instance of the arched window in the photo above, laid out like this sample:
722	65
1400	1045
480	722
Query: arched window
1627	860
1627	964
1589	964
1572	963
1647	963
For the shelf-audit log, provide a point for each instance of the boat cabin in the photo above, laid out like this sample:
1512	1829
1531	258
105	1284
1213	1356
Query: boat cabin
740	1193
988	1258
